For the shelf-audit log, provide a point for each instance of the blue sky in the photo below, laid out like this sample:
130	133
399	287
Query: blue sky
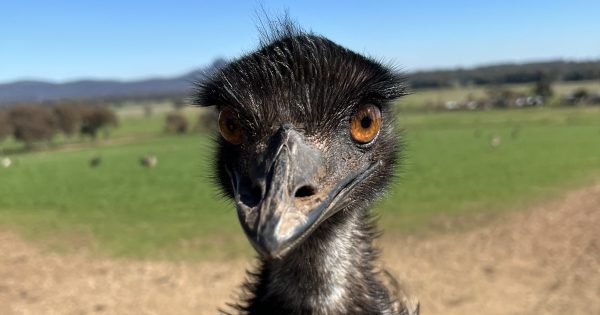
67	40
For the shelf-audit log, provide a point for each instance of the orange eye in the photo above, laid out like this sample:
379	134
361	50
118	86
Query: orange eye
229	126
366	123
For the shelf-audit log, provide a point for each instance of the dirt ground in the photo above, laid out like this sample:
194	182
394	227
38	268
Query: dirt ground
544	260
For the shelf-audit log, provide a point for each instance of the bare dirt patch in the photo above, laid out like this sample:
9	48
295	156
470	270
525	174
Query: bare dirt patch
542	261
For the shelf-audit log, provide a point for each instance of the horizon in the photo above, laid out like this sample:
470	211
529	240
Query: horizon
184	73
116	41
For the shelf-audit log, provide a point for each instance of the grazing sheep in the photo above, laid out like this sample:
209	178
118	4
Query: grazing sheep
95	161
149	161
6	162
495	141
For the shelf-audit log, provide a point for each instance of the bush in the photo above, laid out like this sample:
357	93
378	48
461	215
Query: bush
176	123
499	97
32	123
6	128
95	118
207	120
68	117
543	88
581	94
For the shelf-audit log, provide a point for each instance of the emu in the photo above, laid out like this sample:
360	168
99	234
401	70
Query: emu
306	143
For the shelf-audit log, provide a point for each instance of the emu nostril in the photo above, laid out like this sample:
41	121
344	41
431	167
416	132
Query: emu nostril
256	192
305	191
251	196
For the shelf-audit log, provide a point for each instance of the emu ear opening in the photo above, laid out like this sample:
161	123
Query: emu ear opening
365	124
229	126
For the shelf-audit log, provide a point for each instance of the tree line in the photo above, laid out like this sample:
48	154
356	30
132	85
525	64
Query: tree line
177	123
508	73
34	123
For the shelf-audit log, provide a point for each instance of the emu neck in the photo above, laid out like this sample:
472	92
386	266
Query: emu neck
330	273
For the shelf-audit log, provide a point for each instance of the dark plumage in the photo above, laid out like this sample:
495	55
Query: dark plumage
300	179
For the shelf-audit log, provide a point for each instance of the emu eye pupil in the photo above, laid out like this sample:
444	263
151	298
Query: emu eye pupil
365	122
230	125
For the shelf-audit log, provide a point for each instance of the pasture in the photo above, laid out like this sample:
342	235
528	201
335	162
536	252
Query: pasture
450	171
428	97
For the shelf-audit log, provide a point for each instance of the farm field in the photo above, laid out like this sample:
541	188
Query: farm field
451	173
426	97
124	125
542	260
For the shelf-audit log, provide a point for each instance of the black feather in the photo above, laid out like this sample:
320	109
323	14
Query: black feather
306	80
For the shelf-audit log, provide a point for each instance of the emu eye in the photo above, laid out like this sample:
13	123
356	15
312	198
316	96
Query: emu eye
366	123
229	126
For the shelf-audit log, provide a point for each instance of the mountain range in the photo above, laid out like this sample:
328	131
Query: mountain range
40	91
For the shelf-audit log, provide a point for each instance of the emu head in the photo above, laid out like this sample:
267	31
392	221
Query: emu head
306	131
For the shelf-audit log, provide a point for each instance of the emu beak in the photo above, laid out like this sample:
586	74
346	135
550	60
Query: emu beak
292	202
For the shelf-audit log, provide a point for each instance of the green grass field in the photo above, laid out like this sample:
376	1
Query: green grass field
451	168
174	211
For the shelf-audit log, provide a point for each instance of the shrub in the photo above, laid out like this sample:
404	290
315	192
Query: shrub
207	120
176	123
581	94
543	88
6	128
68	117
95	118
32	123
499	97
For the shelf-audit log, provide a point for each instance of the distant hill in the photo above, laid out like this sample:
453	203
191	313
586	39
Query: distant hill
38	91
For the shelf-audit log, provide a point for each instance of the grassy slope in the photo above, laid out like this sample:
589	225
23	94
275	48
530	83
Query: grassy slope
173	210
451	169
130	209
